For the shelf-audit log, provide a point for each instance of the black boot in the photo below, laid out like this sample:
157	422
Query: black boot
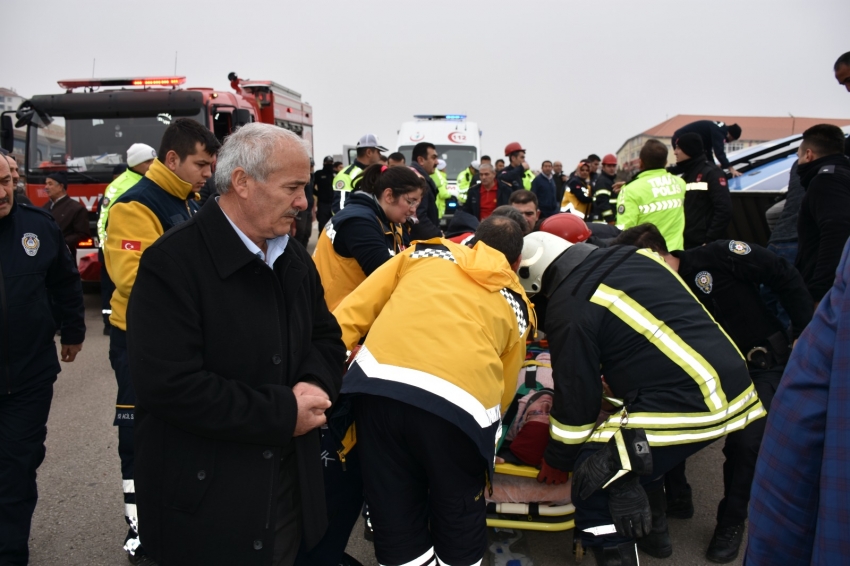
725	543
682	506
657	543
624	554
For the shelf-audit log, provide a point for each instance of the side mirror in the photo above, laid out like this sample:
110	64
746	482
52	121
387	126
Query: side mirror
7	133
241	117
28	114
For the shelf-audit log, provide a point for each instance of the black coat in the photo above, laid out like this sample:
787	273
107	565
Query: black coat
473	197
713	136
823	224
216	340
708	206
37	275
429	217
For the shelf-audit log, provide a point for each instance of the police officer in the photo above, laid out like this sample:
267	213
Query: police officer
441	181
654	196
324	191
368	153
515	173
139	159
464	180
725	276
608	312
37	278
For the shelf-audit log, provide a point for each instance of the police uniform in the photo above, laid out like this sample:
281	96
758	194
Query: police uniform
37	276
464	181
527	179
622	313
323	179
158	202
657	197
441	181
725	276
342	184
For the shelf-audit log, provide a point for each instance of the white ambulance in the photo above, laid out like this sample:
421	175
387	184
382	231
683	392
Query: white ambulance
457	140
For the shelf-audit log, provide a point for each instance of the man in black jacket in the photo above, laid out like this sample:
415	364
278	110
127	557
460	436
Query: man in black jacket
324	191
424	161
71	216
235	359
708	206
725	276
37	278
714	135
823	225
495	193
514	173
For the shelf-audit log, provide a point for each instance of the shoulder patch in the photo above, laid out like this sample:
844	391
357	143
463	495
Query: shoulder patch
340	185
738	247
827	169
722	181
621	209
704	281
518	306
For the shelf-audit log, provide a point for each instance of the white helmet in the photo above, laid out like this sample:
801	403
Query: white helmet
539	249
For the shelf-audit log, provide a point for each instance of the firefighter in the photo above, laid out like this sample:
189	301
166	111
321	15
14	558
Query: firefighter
428	405
163	198
139	159
725	276
368	153
464	180
605	190
362	237
654	196
608	312
515	173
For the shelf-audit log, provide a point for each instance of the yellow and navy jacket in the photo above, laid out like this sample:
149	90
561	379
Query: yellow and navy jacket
466	376
674	372
122	183
158	202
354	243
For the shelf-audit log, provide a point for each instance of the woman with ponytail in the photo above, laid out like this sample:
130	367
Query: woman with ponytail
368	231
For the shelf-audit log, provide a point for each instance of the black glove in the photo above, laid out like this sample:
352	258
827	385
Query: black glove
629	508
606	465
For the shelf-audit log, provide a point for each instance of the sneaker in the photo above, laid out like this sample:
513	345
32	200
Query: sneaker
656	544
725	543
682	507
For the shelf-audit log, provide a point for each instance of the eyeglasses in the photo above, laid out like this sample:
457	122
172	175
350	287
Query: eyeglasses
412	203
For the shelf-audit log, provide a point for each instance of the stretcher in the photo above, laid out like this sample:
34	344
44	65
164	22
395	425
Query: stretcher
517	500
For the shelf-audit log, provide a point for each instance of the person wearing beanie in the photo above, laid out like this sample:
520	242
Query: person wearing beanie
139	159
714	135
708	206
70	215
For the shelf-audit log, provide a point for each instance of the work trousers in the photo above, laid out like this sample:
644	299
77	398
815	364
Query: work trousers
424	481
125	408
23	429
594	511
324	212
107	287
741	451
343	498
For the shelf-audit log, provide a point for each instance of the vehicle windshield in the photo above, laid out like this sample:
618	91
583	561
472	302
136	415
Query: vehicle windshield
93	144
457	157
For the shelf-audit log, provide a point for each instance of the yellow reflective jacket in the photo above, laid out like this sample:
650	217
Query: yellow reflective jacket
446	331
158	202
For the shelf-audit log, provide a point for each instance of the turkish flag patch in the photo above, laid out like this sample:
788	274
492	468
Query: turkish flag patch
132	245
722	181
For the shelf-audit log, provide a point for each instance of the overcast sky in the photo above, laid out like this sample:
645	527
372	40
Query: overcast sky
564	78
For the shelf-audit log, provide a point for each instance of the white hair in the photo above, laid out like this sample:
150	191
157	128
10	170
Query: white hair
251	148
488	166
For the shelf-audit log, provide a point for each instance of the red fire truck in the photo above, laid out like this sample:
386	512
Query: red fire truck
86	131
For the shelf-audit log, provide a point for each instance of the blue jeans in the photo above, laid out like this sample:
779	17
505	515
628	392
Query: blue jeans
787	250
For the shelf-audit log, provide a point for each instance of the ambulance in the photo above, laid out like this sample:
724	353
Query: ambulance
457	140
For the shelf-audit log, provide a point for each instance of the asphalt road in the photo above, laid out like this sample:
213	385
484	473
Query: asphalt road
79	518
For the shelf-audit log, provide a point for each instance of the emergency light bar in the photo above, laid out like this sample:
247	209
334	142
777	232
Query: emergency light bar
440	116
125	81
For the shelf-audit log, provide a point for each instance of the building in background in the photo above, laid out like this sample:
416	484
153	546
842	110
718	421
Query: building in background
9	99
754	130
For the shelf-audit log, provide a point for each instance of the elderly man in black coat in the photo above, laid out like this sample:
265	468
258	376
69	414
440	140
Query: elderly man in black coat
235	359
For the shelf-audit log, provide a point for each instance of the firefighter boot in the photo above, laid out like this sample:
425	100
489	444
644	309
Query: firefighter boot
624	554
657	542
682	506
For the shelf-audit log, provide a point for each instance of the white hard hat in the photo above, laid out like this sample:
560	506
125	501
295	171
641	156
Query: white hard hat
139	153
441	164
539	250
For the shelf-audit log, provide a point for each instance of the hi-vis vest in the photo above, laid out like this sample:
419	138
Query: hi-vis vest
657	197
443	195
527	178
342	182
115	189
464	180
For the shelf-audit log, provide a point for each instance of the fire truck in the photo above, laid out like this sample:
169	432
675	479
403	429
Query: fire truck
85	132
